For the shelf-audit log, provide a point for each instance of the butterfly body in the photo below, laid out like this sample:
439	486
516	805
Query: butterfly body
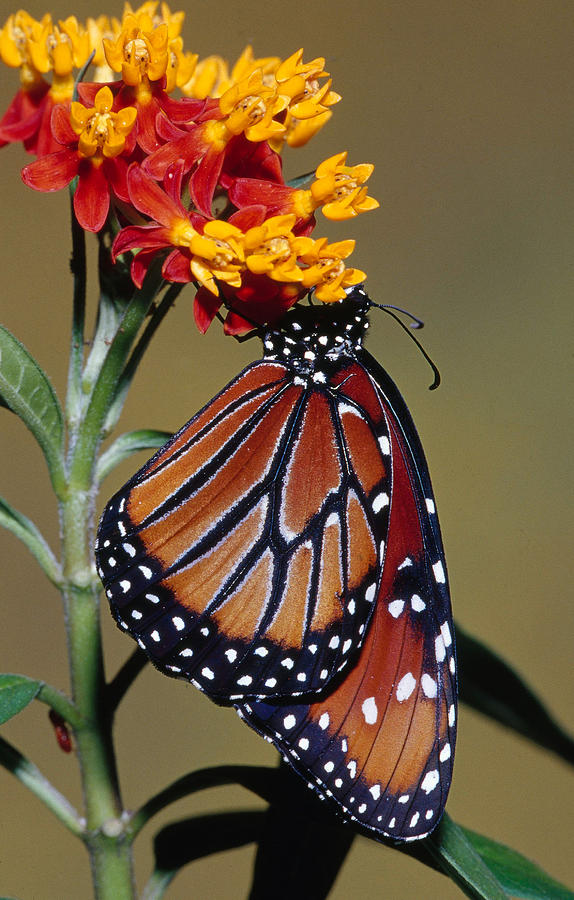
282	552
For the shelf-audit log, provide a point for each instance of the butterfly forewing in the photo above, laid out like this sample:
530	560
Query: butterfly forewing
246	554
380	745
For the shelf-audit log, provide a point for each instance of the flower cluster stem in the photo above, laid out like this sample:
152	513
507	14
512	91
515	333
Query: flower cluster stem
109	849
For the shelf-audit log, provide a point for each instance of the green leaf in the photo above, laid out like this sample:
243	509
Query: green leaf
25	389
458	858
16	692
29	534
492	687
128	444
517	874
301	181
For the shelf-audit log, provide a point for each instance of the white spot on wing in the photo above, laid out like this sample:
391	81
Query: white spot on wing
445	631
417	603
370	711
289	721
375	791
438	572
324	721
429	686
414	820
231	654
445	753
451	715
384	445
439	648
396	607
405	687
430	781
178	623
429	505
370	593
380	501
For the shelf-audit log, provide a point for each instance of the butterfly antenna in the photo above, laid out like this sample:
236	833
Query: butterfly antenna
417	323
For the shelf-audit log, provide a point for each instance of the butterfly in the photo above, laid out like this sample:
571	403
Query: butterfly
282	552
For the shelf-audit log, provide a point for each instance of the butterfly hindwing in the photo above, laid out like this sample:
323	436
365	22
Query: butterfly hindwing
380	745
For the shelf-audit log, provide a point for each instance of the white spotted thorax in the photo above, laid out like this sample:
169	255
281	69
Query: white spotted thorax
312	338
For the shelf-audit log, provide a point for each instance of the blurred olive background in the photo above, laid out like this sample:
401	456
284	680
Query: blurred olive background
466	109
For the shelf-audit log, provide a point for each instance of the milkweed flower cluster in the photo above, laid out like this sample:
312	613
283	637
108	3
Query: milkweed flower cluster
195	177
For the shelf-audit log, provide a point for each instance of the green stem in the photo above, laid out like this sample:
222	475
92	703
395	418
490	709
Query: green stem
158	884
61	704
105	834
78	265
31	776
155	320
91	433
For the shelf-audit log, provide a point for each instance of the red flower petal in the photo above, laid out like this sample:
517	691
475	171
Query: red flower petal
23	116
92	197
138	237
149	198
147	137
249	217
236	324
52	172
166	129
176	267
183	110
140	266
247	191
61	125
87	91
46	142
205	307
204	180
245	159
116	171
259	301
189	149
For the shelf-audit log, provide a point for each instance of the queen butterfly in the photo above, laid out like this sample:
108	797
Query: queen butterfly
283	553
